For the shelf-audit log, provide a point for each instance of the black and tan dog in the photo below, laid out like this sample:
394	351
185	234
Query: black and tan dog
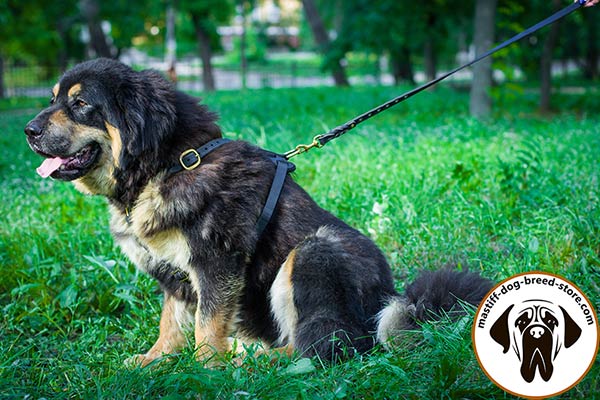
537	330
309	282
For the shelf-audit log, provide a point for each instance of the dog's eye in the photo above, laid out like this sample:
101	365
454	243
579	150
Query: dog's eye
52	100
81	103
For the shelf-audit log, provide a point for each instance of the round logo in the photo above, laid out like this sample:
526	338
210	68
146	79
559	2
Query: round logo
535	335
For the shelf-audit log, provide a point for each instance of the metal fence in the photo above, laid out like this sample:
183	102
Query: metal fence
28	81
36	81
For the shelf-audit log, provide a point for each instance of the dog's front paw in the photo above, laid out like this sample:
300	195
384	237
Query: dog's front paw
141	360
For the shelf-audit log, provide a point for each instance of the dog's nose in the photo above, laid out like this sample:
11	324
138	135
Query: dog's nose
33	129
536	332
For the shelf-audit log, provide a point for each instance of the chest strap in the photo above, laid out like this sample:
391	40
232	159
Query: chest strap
283	166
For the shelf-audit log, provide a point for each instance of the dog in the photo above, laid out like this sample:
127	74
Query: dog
309	283
537	330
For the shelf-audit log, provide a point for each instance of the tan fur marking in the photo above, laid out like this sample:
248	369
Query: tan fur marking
284	350
282	301
60	119
239	343
116	142
170	338
148	205
288	266
171	246
274	354
150	208
55	90
74	90
212	335
287	350
99	180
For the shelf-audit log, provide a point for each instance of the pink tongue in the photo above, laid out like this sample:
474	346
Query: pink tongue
49	166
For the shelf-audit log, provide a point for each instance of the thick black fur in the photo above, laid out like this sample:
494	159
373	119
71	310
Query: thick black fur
337	293
341	280
435	293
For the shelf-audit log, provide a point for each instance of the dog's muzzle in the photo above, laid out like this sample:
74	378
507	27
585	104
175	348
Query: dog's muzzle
537	352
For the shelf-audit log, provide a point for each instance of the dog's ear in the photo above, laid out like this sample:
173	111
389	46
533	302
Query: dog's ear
572	330
499	331
145	114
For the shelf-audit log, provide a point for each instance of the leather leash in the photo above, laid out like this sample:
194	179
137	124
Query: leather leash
321	140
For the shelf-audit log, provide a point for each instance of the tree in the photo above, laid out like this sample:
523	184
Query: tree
592	48
443	20
429	50
90	10
2	91
400	29
546	61
322	38
171	41
204	47
28	32
131	18
485	22
536	55
205	16
384	27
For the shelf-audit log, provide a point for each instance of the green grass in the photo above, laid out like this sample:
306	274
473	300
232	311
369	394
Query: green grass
515	194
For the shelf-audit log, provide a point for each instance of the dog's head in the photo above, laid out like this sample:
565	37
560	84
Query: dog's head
537	330
102	115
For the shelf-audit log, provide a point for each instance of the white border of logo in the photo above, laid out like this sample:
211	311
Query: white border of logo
509	328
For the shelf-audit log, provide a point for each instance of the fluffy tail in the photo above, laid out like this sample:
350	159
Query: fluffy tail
432	294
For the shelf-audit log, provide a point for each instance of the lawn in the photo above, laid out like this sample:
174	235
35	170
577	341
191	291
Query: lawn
429	184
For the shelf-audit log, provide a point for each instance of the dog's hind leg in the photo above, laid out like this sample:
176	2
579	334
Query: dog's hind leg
317	304
175	317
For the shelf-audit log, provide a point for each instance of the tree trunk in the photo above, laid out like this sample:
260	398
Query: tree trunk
243	57
2	92
90	11
546	62
63	55
590	70
485	16
402	69
203	38
171	42
430	60
322	39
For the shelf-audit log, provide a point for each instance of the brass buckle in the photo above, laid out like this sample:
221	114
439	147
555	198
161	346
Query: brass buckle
194	165
303	148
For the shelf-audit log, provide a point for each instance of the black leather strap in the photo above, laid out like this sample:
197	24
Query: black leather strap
282	168
342	129
191	158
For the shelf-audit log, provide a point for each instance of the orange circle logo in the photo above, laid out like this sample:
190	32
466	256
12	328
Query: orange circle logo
535	335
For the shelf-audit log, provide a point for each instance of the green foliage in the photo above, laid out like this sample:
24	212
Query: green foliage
428	183
574	40
384	27
256	45
38	31
211	14
130	18
28	29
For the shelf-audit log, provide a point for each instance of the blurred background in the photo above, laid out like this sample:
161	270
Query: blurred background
206	45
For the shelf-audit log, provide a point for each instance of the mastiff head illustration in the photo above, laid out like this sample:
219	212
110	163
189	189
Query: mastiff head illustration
536	330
